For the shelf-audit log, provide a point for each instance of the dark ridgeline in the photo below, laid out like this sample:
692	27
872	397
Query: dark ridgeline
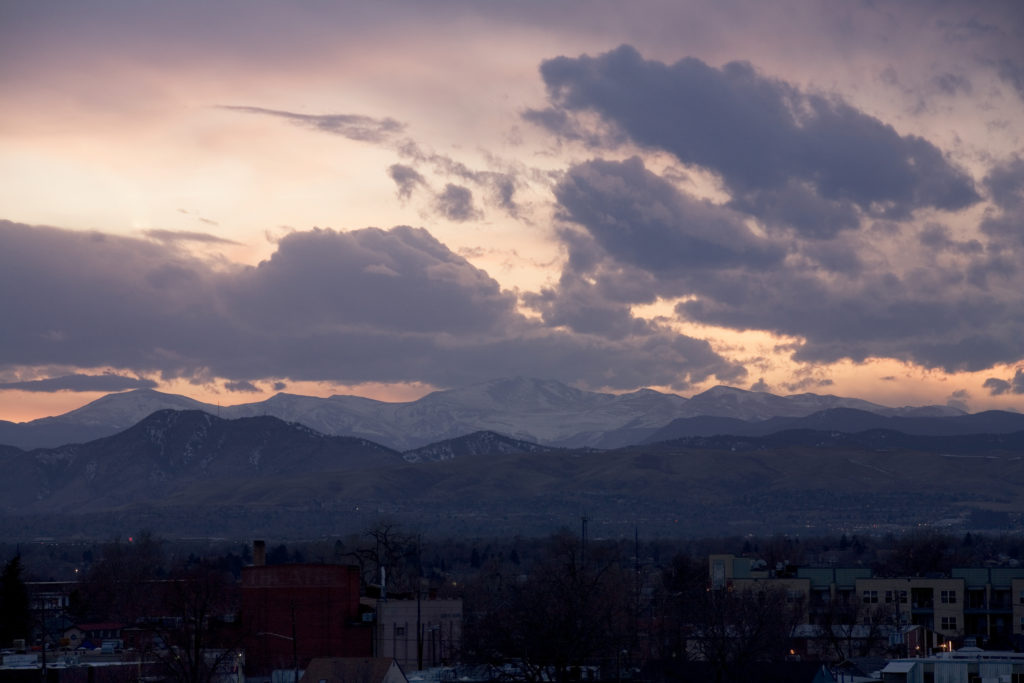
188	472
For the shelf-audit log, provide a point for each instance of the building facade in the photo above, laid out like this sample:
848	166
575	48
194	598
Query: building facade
293	613
978	606
418	634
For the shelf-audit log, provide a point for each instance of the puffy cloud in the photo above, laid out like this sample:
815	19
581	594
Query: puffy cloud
406	178
645	221
241	386
366	305
1005	184
456	203
81	382
499	186
958	399
810	168
997	386
583	307
642	238
771	143
939	237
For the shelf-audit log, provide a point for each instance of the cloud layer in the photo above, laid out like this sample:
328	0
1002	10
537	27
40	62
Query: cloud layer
781	152
366	305
80	382
839	258
792	183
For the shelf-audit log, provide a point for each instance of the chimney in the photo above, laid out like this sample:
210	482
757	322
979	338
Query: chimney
259	553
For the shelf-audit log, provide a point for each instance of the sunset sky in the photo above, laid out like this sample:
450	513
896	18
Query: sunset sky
235	198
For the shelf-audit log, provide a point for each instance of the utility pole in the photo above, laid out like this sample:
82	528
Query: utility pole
583	540
419	628
295	648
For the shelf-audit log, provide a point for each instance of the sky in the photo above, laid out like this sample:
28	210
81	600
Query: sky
232	199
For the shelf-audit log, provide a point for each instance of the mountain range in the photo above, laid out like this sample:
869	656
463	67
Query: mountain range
542	411
190	472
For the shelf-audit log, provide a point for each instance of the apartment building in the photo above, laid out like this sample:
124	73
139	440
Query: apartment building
981	605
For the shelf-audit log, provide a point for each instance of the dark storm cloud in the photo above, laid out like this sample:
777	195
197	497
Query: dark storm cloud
923	317
939	237
351	126
366	305
642	238
400	281
644	220
80	382
997	387
1005	184
406	178
585	308
767	139
798	206
455	202
811	169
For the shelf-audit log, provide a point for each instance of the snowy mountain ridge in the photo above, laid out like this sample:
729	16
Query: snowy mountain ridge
542	411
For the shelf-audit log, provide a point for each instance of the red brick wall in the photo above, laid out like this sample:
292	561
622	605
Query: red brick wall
324	600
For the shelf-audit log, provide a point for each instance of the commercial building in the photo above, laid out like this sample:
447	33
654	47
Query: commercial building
977	606
293	613
418	634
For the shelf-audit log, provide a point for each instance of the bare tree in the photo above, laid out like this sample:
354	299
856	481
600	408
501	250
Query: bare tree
739	629
852	627
387	546
196	636
119	586
568	612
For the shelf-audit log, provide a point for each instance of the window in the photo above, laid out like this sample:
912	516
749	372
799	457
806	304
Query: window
399	630
948	623
871	597
947	597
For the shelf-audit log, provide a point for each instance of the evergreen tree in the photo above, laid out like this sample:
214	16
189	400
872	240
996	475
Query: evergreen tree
15	618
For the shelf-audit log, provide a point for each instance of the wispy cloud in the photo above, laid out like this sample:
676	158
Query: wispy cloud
81	382
351	126
172	236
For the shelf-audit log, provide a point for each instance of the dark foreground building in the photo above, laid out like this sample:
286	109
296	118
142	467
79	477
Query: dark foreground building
293	613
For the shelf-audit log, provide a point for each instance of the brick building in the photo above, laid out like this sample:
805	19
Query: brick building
293	613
